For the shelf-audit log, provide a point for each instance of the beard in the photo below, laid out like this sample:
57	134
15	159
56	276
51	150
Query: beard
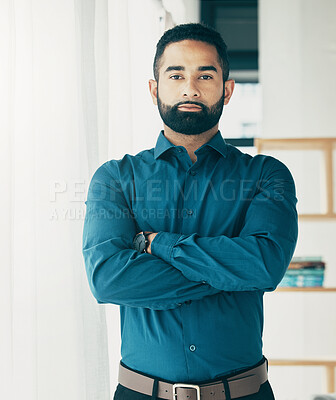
192	122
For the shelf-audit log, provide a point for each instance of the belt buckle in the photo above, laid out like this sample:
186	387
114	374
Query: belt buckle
186	385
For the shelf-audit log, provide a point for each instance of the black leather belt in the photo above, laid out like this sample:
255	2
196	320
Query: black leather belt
242	384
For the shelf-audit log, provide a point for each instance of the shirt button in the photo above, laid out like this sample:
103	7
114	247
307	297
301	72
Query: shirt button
190	212
179	150
192	347
193	173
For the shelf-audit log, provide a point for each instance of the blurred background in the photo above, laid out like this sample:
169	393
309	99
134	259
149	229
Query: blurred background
74	94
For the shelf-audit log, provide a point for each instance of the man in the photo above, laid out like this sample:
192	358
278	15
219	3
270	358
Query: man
187	236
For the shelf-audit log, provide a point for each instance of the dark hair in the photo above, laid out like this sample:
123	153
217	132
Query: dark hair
192	31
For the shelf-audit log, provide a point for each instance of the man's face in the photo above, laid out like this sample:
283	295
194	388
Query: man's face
189	93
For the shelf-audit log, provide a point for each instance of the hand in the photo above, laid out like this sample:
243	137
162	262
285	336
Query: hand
150	239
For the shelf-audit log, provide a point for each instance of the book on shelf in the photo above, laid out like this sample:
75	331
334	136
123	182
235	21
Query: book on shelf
304	272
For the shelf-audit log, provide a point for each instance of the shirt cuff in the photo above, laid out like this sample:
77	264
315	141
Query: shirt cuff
163	243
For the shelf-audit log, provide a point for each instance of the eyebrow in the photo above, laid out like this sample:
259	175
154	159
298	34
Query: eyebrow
180	68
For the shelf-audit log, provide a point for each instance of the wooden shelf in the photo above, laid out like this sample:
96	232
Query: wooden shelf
316	143
306	289
331	215
327	146
303	361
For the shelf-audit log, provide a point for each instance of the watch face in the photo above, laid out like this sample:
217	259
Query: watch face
139	242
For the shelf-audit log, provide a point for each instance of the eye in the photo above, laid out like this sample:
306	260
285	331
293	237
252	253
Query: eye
206	77
175	77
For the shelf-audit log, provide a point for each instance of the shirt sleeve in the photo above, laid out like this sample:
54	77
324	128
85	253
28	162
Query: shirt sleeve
256	259
117	273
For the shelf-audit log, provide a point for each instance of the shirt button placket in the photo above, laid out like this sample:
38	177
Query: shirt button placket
190	211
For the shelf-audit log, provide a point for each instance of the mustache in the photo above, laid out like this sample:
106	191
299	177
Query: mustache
190	102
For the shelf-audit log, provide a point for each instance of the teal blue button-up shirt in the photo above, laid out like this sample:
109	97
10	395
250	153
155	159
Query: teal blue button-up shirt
227	229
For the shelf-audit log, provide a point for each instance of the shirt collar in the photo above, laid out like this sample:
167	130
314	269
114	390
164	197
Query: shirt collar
217	142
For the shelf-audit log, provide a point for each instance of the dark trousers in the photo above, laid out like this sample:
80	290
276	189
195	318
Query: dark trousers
123	393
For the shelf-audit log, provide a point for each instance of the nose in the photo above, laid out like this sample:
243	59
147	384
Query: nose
190	89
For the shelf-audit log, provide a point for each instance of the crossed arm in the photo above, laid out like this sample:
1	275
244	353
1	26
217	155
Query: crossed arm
179	267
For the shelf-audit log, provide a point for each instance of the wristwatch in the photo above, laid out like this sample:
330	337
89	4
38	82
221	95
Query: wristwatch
141	242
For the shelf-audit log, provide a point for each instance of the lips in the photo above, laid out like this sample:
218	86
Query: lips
189	107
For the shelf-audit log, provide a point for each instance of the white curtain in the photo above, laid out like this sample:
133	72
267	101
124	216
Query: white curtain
73	94
53	336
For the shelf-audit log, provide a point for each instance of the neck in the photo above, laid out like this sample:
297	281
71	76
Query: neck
190	142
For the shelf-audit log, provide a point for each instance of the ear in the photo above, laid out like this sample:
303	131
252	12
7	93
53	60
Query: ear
153	90
229	86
